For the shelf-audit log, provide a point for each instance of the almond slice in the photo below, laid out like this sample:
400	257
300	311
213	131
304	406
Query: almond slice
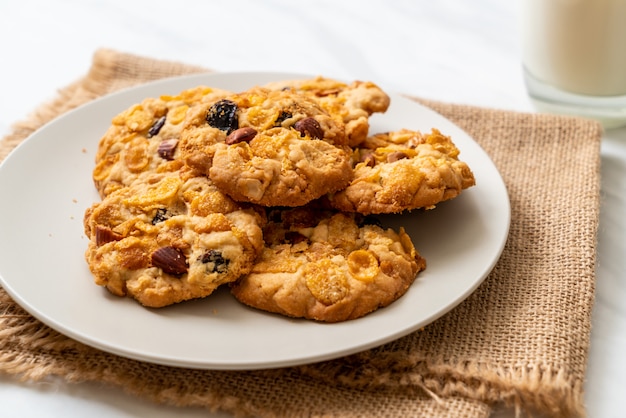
171	260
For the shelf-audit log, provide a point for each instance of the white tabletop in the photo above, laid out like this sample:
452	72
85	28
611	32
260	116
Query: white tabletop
454	50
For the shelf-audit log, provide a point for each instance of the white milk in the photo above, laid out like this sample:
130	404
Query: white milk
576	45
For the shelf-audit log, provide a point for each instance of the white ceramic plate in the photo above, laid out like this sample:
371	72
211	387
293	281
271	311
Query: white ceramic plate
46	186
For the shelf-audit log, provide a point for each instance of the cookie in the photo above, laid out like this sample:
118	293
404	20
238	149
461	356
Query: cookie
403	170
328	266
271	148
353	103
144	138
170	237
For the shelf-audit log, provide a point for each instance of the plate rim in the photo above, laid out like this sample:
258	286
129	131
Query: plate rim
194	79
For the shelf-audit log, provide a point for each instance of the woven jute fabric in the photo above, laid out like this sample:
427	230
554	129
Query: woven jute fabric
521	338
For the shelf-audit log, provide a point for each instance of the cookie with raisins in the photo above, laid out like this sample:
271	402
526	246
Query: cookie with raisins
403	170
353	103
170	237
328	266
271	148
144	138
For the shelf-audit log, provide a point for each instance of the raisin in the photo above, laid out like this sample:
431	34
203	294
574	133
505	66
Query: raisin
156	127
219	263
223	116
283	116
160	216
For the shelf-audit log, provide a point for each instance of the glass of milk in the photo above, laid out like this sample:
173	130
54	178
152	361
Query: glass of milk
574	56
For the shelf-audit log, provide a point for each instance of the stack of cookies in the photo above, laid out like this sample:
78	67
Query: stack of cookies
272	191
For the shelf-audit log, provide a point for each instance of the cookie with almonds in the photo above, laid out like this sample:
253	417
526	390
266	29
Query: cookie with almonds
403	170
272	148
170	237
328	266
353	103
144	138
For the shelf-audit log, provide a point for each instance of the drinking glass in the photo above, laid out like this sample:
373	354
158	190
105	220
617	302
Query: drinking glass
574	57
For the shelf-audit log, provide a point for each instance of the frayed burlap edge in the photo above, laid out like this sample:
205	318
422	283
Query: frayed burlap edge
30	350
440	378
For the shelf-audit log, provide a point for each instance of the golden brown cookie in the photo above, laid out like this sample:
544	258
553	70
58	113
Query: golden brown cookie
272	148
170	237
328	266
403	170
144	138
353	103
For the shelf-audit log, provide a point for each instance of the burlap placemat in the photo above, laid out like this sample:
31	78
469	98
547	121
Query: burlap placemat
521	338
